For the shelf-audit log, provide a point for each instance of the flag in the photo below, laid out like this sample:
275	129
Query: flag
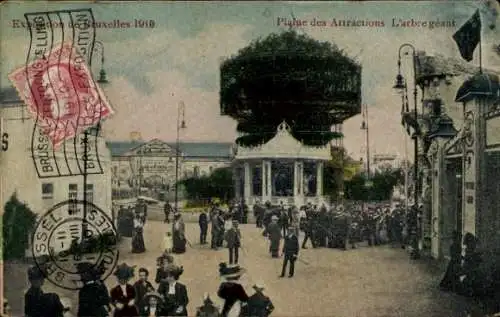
468	36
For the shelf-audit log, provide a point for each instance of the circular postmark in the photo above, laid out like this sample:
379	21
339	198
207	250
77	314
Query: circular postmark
58	236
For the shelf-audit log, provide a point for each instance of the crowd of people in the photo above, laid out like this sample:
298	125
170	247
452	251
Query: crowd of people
342	226
140	298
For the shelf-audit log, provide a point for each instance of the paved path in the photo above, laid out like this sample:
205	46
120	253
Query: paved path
371	282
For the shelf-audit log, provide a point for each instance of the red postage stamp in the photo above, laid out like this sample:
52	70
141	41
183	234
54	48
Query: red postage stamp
60	93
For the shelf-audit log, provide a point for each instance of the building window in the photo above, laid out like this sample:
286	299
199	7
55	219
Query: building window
196	171
90	193
73	191
47	191
73	195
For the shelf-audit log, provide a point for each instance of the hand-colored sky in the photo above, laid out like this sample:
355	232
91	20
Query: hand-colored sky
152	70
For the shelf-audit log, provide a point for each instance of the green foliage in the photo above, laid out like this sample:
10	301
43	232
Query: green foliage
383	183
202	189
294	78
18	222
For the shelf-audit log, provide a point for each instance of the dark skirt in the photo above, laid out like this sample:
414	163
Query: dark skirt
179	243
138	242
451	278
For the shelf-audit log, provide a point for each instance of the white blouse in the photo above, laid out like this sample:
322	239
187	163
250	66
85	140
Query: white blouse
171	288
152	311
137	223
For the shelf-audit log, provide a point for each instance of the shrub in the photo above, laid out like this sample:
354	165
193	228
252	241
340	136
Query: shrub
18	222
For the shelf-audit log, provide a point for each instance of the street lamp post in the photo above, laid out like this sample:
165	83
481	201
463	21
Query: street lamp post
181	124
401	86
101	80
365	126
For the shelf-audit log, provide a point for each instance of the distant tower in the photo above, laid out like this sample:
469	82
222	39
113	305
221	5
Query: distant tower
135	136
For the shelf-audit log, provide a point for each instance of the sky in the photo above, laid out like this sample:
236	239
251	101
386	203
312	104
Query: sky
153	70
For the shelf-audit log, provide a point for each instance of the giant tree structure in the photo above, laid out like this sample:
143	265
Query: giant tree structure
311	85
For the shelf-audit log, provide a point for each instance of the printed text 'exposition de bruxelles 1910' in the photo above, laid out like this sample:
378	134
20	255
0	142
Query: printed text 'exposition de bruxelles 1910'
114	24
394	22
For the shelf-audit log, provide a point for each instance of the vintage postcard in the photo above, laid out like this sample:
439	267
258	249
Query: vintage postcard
267	158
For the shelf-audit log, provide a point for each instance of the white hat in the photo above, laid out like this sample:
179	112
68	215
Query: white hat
259	286
274	217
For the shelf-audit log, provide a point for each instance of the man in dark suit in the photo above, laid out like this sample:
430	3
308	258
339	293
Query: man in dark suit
203	222
233	239
290	251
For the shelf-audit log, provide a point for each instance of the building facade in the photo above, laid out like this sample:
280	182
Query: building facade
459	154
283	170
149	167
41	177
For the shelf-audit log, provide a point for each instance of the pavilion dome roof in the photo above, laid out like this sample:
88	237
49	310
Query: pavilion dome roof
282	146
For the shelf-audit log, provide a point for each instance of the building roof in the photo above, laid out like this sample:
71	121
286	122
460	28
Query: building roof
189	149
428	66
284	145
9	96
483	85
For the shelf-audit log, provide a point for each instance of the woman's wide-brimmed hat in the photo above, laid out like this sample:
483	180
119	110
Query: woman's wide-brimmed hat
233	271
165	258
148	295
123	271
89	271
174	270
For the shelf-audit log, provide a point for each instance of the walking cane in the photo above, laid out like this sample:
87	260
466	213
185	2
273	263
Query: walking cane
303	261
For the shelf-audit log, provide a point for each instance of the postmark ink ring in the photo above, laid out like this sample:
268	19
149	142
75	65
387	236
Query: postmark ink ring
55	236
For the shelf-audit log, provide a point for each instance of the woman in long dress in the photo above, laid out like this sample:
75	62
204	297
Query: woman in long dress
451	279
179	239
138	237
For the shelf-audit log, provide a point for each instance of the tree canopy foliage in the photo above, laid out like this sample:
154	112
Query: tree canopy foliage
382	182
18	222
290	77
219	184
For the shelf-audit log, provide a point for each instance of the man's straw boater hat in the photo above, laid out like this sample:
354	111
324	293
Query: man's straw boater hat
234	271
259	286
123	271
157	295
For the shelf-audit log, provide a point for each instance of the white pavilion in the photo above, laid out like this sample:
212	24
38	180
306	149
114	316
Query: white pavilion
283	170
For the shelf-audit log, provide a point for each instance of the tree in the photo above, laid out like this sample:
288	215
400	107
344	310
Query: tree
338	169
382	182
18	222
290	77
219	184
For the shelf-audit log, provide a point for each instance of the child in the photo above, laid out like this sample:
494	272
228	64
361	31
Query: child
167	243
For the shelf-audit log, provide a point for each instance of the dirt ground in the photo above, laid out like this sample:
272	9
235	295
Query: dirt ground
366	282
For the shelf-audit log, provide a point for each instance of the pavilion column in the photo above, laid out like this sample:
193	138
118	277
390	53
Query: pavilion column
247	185
319	179
263	180
296	179
269	180
237	182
